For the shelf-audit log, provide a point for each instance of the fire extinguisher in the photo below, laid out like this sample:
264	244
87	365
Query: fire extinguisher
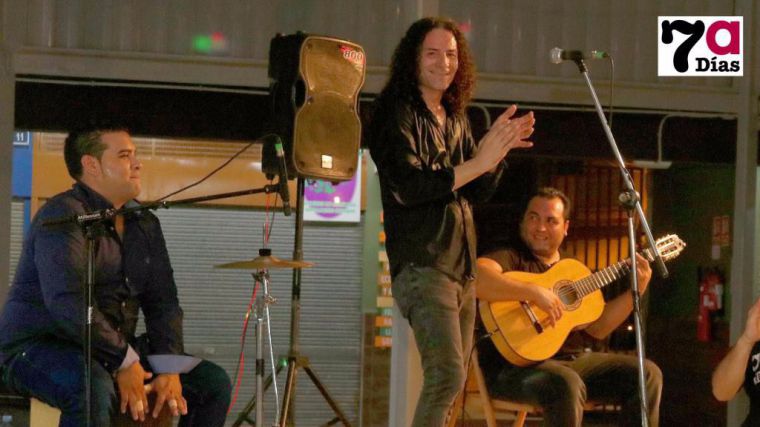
710	301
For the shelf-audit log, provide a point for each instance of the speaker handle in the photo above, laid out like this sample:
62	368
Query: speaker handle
299	93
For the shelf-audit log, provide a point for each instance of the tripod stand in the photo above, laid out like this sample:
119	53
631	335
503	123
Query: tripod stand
295	360
262	264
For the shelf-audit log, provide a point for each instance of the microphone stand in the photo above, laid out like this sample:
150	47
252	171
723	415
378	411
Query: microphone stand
91	225
90	235
630	201
295	360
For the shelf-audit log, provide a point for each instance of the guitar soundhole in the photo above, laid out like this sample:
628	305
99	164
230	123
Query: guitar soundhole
567	294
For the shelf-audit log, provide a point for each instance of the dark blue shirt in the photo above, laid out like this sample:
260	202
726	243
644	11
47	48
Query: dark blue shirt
46	299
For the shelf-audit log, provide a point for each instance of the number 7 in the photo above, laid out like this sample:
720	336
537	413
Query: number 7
695	31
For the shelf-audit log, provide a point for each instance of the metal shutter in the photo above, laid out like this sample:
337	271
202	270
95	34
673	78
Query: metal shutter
17	234
215	301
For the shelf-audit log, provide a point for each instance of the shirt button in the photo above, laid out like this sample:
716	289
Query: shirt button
118	329
123	304
126	280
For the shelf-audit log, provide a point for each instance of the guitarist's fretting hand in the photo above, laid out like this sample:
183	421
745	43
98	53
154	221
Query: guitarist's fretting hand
617	310
644	273
549	302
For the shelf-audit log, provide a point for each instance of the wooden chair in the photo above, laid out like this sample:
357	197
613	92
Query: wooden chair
476	389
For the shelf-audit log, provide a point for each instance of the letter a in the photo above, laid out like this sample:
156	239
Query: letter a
733	29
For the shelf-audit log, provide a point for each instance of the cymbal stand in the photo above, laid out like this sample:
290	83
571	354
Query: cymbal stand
261	311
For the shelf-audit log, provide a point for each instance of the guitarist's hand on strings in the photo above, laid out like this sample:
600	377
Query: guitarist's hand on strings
549	302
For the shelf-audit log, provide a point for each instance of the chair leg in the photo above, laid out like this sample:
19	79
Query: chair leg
455	410
489	414
520	419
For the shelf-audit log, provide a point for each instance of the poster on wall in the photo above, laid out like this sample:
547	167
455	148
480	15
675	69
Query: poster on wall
333	201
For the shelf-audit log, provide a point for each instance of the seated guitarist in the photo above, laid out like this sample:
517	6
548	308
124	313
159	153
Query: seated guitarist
561	385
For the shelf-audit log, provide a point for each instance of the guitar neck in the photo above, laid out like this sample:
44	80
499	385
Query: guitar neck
601	278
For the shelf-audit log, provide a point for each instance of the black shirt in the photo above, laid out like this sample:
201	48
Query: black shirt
427	224
752	386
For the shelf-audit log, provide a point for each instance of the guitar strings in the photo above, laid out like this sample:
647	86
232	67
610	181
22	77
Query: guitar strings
596	280
592	282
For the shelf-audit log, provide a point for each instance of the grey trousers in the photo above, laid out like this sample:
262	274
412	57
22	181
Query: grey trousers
561	388
441	313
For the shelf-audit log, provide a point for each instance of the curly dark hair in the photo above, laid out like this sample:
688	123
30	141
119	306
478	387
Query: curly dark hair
404	80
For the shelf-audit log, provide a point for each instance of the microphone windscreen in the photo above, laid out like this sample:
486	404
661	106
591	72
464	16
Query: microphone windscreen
555	55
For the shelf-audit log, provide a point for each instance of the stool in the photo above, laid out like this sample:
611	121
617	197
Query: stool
43	415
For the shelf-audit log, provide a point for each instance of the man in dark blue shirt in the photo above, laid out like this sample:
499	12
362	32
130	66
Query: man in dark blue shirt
42	322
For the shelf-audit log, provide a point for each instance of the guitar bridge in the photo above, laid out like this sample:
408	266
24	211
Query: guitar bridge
532	316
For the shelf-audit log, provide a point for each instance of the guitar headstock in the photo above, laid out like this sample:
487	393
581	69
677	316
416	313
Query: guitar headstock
669	246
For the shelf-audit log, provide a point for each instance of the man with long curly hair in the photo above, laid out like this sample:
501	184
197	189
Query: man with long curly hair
431	170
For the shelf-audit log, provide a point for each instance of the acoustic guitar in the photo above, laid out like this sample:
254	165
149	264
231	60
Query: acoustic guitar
522	332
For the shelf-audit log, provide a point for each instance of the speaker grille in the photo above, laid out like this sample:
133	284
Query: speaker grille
316	103
326	136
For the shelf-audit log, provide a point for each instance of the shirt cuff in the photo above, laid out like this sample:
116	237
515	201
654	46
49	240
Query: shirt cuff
172	363
130	358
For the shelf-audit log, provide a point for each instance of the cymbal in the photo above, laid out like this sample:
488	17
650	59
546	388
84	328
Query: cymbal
265	260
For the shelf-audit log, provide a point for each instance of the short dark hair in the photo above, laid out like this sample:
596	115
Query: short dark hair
85	141
553	193
404	79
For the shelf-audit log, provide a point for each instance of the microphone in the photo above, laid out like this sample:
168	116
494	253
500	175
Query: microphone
81	219
558	55
283	180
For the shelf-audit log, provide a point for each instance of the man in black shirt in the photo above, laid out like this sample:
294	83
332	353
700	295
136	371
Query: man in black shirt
42	321
562	384
431	170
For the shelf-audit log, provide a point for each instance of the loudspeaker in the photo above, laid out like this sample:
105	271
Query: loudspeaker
315	81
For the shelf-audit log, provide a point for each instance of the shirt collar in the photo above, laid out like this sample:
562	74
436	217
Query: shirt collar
94	200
